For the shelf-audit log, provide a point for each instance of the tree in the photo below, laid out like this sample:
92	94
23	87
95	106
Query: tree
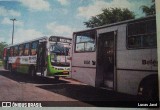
149	10
2	45
109	15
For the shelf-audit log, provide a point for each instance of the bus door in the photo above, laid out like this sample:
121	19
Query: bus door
106	59
41	58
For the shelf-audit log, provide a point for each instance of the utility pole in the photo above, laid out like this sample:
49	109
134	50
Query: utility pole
13	29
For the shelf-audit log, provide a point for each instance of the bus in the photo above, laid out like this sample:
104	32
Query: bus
120	57
47	56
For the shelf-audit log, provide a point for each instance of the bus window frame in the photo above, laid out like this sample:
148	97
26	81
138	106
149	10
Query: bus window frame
8	52
4	52
145	34
17	54
22	50
11	48
30	50
79	33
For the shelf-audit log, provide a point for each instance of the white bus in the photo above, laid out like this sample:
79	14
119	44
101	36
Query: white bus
120	57
47	55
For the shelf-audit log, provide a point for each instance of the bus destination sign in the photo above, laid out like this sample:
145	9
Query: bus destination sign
59	39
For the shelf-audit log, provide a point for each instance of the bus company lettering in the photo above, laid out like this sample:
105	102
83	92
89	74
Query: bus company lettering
32	59
86	62
25	60
150	62
12	59
16	63
93	62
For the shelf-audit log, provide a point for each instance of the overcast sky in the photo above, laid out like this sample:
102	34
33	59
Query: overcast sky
38	18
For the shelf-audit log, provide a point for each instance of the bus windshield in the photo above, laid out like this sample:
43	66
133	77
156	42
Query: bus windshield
59	53
59	49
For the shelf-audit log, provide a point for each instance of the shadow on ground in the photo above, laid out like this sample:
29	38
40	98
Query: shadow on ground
94	96
80	92
87	93
24	78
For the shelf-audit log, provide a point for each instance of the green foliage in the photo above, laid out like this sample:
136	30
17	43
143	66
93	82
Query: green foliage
110	15
149	10
2	45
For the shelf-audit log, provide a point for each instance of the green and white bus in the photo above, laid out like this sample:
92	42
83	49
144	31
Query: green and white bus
48	56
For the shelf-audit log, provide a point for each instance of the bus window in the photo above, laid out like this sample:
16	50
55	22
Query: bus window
59	49
15	51
134	42
26	49
141	28
150	40
145	35
80	47
34	47
11	51
131	29
151	28
85	42
21	48
8	52
4	52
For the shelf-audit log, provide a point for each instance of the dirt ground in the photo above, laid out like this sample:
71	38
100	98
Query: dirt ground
21	87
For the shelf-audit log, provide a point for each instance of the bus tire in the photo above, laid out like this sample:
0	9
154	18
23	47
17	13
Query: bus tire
32	71
10	68
56	77
44	72
150	89
150	93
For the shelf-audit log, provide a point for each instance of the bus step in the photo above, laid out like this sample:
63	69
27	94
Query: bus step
108	83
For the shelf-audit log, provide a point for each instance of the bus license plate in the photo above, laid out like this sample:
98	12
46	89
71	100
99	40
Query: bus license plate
65	72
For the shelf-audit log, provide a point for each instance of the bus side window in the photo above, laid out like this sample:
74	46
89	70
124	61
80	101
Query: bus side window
34	47
85	42
8	53
15	51
150	40
26	49
145	35
4	52
21	49
134	41
11	51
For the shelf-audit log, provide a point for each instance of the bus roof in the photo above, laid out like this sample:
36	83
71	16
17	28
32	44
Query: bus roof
45	37
117	23
27	41
62	37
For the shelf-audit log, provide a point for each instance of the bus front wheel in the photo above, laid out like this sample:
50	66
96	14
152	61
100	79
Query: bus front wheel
56	77
10	68
32	72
